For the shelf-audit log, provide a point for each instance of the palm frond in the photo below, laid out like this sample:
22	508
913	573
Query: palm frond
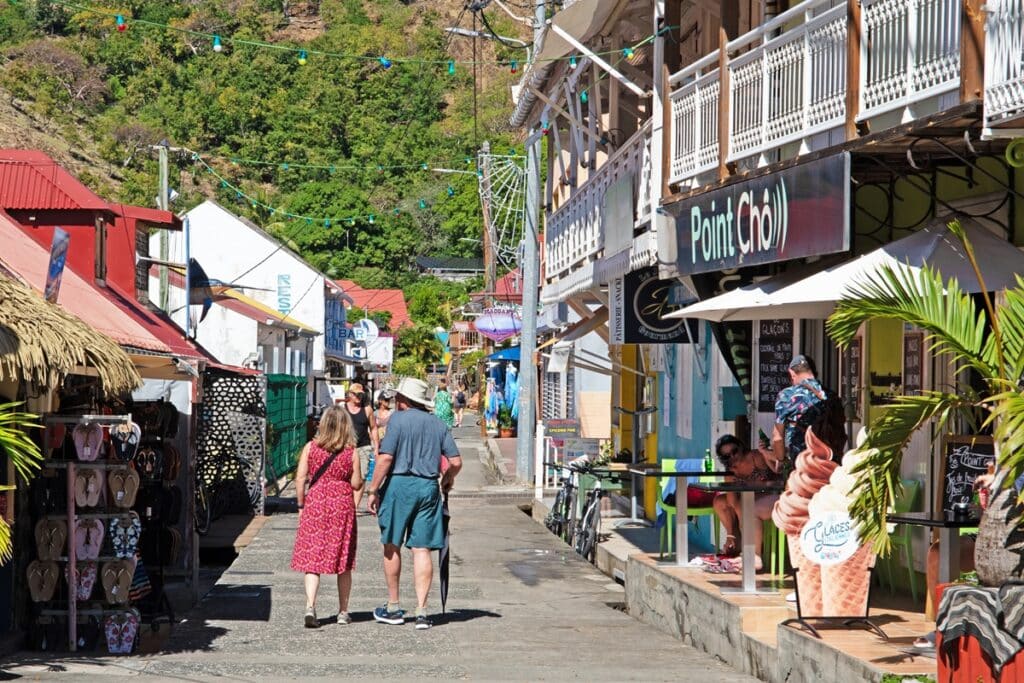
6	547
878	475
23	452
1007	418
954	325
1011	325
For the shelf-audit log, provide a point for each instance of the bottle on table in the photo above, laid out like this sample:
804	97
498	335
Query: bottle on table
709	464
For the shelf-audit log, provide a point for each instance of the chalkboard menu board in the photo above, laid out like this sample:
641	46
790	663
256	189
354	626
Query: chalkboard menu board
964	459
774	352
913	350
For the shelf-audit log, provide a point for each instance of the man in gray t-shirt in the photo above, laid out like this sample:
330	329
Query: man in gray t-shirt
406	497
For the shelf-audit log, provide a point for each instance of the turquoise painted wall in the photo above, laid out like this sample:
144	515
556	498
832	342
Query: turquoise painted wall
670	444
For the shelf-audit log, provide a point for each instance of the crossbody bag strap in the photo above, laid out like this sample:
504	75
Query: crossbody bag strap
323	468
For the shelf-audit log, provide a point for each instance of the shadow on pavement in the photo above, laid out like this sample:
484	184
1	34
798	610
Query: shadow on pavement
458	615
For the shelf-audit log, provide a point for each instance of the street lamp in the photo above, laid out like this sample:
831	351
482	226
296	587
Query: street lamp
469	33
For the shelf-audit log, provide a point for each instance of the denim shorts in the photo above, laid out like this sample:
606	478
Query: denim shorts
410	513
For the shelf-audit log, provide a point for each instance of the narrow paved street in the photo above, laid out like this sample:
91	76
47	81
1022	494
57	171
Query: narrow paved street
521	607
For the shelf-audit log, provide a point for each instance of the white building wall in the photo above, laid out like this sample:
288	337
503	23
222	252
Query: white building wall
226	247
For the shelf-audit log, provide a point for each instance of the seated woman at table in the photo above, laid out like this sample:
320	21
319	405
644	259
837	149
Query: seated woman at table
748	466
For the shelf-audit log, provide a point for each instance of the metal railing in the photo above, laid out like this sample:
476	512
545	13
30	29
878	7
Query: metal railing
575	231
1004	59
695	109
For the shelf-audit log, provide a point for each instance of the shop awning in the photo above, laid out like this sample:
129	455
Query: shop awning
816	296
583	19
580	328
505	354
42	343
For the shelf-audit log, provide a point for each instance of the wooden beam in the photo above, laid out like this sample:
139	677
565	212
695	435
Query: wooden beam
674	18
551	103
972	50
641	77
853	42
724	104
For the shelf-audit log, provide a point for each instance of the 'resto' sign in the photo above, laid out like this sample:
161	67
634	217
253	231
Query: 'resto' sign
794	213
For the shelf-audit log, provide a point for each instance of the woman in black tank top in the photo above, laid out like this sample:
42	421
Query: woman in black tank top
360	424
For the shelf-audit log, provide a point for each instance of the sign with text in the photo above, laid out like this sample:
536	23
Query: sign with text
913	352
829	539
562	428
964	459
616	311
58	258
794	213
645	302
774	352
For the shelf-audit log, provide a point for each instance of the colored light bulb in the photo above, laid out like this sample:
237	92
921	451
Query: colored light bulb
284	167
121	26
327	222
583	97
513	66
424	166
385	62
309	221
572	62
423	203
451	67
380	169
627	52
372	219
331	170
302	57
217	46
450	191
398	211
512	151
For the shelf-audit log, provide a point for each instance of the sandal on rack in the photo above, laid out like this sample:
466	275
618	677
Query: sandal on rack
124	487
88	488
120	630
42	579
84	579
88	539
125	439
51	538
117	580
124	535
88	439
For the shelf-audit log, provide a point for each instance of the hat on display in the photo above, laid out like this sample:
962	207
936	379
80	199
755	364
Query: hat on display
416	390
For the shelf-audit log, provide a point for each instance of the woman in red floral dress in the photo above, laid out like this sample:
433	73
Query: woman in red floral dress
326	539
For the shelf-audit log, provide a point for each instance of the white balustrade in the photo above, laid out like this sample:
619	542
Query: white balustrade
910	51
575	231
694	141
788	87
1004	60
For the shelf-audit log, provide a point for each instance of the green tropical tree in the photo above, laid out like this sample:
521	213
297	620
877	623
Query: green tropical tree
22	452
986	339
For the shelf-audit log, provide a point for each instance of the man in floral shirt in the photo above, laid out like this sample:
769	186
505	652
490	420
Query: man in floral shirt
795	408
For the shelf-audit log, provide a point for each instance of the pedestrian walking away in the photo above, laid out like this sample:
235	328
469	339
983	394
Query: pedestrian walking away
459	402
365	427
406	495
325	542
443	404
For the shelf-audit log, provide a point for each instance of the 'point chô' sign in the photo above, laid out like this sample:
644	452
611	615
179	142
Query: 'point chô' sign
794	213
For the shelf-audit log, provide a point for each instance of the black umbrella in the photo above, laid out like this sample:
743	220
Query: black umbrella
444	554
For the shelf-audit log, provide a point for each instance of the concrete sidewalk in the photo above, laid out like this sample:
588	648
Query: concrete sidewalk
521	607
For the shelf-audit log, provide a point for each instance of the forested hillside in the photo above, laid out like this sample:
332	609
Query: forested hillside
338	140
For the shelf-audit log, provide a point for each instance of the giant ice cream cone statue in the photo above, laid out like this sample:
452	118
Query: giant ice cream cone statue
814	467
845	583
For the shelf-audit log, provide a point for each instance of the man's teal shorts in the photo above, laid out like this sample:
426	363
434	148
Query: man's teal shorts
410	512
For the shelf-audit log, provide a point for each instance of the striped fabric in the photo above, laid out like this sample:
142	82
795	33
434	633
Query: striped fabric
1011	595
978	611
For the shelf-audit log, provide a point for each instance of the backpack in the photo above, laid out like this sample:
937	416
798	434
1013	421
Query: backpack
827	419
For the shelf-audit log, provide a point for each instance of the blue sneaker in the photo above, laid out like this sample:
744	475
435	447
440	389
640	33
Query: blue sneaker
395	618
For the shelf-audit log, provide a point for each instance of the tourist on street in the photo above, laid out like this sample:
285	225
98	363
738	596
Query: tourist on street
365	428
747	466
459	402
443	404
795	409
325	542
406	497
381	416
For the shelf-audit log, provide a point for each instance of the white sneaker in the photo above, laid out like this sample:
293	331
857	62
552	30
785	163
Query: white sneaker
344	618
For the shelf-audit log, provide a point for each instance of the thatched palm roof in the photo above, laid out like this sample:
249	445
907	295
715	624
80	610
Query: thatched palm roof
41	343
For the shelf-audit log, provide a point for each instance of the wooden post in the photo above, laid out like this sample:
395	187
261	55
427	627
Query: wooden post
674	18
666	132
853	41
724	104
972	50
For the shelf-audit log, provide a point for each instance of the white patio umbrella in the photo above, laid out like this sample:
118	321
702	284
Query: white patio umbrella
816	296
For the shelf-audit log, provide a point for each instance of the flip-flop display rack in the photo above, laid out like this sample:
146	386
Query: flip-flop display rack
91	545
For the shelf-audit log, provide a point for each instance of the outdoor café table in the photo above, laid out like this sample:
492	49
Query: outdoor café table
949	528
682	539
747	525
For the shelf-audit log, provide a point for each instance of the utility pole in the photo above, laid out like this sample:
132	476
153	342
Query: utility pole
527	424
488	243
165	247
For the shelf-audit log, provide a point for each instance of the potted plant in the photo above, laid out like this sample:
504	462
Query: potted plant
506	427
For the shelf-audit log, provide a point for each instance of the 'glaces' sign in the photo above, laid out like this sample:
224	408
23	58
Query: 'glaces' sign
797	212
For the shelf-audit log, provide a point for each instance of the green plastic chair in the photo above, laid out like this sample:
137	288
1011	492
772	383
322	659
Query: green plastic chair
668	531
901	539
773	550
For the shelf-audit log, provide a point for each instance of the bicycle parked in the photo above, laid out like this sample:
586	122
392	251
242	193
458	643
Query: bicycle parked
589	529
560	519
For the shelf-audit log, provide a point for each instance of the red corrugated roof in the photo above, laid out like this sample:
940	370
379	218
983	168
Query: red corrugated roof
153	218
508	288
390	300
30	262
31	180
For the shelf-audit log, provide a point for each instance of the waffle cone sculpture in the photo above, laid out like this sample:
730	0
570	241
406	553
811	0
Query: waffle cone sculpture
845	585
813	469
